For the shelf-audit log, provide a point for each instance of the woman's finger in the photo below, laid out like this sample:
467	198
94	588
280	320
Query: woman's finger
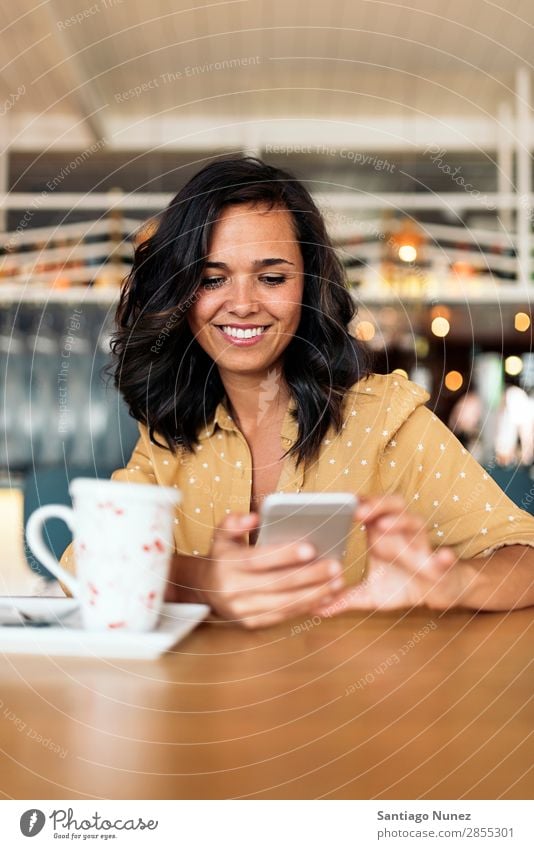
282	605
370	509
286	580
360	597
234	527
446	556
433	582
405	523
282	556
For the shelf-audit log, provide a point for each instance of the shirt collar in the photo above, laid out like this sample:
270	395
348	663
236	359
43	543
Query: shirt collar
289	430
222	419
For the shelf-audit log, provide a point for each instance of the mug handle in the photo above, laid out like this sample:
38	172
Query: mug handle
34	536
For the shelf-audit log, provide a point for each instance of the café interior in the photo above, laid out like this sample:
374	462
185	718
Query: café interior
412	127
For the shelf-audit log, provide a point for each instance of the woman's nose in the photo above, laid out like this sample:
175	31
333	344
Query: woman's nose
242	295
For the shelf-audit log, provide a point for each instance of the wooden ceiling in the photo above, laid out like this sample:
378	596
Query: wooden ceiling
241	58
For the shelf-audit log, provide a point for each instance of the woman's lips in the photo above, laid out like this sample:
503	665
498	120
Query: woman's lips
242	343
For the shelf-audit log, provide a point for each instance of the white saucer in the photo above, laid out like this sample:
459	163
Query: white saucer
68	639
37	608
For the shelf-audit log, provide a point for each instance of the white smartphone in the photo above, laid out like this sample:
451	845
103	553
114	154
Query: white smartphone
322	518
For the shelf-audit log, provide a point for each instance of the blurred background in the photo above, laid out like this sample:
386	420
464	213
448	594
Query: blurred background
411	124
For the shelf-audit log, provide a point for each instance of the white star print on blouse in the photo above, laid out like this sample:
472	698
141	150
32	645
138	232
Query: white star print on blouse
405	450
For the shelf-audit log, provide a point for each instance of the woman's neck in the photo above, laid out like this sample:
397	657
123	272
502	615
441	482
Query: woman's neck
256	401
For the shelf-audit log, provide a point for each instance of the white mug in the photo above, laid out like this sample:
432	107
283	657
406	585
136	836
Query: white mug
123	541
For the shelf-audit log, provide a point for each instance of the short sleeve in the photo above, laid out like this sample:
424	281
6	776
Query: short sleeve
461	504
140	469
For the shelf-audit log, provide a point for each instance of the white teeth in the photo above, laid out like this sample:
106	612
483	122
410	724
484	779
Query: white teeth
243	334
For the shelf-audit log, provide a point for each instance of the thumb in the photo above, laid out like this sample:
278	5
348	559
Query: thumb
234	527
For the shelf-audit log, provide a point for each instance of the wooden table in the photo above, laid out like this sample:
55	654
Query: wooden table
346	708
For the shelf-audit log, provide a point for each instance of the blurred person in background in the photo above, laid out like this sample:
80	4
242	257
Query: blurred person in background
514	442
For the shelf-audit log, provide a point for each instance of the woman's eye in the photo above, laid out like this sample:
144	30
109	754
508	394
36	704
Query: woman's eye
273	279
212	282
269	279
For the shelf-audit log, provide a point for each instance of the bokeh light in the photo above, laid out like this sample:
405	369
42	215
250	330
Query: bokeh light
440	326
513	365
365	331
454	381
521	321
407	253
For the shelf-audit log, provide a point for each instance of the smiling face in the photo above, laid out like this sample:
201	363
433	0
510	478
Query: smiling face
249	301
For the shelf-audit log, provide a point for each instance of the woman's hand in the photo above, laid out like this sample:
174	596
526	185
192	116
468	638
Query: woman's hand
402	569
265	585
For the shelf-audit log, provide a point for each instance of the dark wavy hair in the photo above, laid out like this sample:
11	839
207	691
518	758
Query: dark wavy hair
168	381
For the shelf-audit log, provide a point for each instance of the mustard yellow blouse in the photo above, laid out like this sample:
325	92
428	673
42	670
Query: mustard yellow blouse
389	443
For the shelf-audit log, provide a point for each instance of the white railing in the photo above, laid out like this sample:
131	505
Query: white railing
97	254
66	259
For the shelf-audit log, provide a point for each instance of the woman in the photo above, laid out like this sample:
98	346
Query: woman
233	353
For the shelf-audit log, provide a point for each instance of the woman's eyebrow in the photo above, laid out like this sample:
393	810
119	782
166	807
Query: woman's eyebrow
258	263
272	260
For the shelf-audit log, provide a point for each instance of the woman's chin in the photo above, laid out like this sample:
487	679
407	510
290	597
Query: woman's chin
241	364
